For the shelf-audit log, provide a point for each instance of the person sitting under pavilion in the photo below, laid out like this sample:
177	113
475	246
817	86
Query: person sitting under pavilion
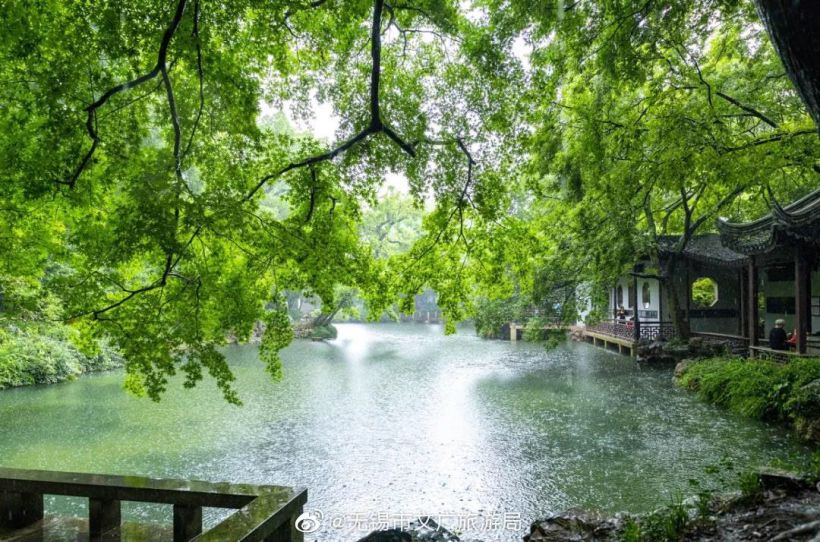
777	336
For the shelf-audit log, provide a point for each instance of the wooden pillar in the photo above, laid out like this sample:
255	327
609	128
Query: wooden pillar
18	510
634	302
187	522
751	302
287	532
802	299
513	332
742	313
660	300
104	519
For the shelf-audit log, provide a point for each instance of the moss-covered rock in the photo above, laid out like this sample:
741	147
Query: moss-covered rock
321	333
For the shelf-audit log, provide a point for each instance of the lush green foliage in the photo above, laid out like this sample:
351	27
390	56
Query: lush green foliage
143	188
653	119
534	330
492	314
45	355
704	292
666	524
35	347
682	517
392	225
762	389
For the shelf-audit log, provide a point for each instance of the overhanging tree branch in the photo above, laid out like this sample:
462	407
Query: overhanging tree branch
201	78
770	139
159	68
375	125
752	111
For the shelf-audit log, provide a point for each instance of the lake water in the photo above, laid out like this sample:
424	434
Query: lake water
393	421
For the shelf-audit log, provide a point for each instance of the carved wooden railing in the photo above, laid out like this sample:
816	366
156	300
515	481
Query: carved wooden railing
264	513
621	329
657	330
626	329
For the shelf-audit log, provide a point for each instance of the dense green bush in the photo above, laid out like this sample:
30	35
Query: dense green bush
534	330
762	389
492	314
46	356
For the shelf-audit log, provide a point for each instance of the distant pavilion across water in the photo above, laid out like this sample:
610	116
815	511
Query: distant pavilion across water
757	272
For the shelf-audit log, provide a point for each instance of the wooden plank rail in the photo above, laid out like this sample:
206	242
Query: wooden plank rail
264	513
782	356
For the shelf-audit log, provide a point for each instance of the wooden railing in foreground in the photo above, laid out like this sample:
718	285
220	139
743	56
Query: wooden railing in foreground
264	513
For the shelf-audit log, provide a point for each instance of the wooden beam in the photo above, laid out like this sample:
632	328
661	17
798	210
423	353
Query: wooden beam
187	522
18	510
660	301
743	314
802	299
287	532
132	488
104	519
751	302
634	301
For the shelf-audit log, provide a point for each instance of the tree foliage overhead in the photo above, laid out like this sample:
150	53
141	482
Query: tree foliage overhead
141	189
134	162
654	119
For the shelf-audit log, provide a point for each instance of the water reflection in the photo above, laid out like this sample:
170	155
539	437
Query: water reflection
401	419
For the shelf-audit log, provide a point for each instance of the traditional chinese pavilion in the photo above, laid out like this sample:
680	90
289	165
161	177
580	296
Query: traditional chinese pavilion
781	277
730	286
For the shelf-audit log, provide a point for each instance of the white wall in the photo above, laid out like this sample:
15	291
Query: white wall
624	283
654	297
583	301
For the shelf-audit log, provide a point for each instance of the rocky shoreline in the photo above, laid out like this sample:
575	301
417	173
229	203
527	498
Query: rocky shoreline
672	352
781	507
301	330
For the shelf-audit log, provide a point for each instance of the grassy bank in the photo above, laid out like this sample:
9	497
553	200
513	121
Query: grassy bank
45	354
784	393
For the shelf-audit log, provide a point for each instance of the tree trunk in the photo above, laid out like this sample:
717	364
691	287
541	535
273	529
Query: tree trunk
324	318
794	28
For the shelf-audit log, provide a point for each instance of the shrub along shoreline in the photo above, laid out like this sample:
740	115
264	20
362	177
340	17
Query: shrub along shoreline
46	355
783	393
